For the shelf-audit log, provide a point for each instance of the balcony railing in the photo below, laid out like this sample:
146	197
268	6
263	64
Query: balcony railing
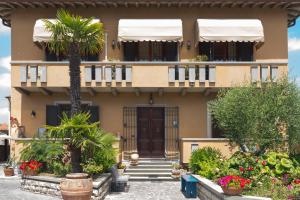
146	74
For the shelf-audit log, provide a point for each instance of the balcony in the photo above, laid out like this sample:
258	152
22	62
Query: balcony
106	76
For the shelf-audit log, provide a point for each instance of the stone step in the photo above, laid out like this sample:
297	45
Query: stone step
149	174
150	166
147	178
146	170
154	162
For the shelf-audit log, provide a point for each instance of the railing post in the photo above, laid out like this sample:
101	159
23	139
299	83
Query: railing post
118	73
23	74
172	74
254	74
108	73
128	74
98	74
192	74
43	74
88	74
181	70
212	74
202	74
33	74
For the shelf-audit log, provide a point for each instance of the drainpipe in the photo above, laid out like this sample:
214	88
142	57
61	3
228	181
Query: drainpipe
105	44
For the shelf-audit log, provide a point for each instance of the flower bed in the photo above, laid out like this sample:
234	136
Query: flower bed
50	185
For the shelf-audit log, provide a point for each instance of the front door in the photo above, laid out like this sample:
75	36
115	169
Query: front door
151	131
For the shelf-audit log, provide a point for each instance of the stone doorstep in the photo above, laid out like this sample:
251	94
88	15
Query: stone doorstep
210	190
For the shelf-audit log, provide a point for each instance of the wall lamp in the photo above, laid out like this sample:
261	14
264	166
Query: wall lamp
115	44
33	114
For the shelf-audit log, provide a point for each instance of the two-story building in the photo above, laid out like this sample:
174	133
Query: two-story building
163	61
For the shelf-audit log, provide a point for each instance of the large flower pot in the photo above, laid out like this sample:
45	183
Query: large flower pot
8	171
76	186
232	191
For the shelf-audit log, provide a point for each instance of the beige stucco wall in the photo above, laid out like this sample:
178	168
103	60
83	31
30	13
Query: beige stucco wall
274	23
192	110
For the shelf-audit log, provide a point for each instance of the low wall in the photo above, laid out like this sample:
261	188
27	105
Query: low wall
208	190
50	185
187	144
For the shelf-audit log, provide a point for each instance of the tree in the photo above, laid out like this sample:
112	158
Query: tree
266	116
74	36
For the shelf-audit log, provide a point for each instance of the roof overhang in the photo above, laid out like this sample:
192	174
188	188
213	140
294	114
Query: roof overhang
133	30
41	34
291	6
230	30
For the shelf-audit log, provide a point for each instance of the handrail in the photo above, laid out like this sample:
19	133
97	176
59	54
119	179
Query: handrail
40	62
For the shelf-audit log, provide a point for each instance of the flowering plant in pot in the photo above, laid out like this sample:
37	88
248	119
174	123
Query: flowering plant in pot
30	168
233	185
8	168
121	168
176	170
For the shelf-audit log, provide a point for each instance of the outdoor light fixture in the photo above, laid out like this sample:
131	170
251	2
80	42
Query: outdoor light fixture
151	99
33	114
113	44
188	45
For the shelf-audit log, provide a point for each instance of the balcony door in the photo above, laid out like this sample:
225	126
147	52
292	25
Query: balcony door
151	131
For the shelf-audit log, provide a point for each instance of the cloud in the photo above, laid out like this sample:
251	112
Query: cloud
294	44
4	29
5	62
4	113
297	80
5	80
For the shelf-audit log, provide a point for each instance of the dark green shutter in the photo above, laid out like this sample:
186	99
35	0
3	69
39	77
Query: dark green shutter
52	115
94	111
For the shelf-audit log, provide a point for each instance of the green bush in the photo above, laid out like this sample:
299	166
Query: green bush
92	168
206	162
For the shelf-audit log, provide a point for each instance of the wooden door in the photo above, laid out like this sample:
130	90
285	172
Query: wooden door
151	132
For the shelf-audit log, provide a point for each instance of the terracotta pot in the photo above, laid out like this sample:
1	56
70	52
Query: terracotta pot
8	171
232	191
76	186
29	172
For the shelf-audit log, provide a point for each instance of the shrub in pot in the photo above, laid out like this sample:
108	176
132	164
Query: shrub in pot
121	168
8	168
176	171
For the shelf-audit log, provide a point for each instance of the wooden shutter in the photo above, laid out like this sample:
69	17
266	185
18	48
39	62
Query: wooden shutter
94	112
52	115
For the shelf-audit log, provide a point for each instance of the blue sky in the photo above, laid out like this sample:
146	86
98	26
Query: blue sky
294	63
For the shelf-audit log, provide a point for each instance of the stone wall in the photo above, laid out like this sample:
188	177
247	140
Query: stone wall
50	185
208	190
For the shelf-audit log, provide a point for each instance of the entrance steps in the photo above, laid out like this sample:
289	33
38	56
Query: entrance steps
150	169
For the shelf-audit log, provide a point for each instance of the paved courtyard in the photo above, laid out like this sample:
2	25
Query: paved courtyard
150	191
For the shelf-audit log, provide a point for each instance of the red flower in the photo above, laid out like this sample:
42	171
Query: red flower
297	181
250	168
33	165
264	163
241	169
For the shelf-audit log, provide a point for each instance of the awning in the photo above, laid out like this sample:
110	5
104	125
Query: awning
230	30
150	30
40	34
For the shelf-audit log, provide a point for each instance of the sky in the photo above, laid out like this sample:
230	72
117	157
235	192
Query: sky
5	51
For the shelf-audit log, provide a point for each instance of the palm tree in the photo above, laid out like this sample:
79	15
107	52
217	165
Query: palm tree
74	36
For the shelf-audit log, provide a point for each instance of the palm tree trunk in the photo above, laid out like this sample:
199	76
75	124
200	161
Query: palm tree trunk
74	71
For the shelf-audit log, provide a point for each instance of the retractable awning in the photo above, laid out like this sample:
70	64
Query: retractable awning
40	34
230	30
150	30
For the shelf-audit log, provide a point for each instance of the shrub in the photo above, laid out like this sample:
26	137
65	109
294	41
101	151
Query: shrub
206	162
92	168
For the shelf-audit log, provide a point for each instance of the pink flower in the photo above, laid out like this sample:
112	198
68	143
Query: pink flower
289	187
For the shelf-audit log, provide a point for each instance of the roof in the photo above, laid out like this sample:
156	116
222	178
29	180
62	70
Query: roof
292	6
3	127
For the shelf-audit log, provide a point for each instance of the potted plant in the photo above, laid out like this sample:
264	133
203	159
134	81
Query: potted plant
233	185
8	168
176	171
121	168
30	168
134	159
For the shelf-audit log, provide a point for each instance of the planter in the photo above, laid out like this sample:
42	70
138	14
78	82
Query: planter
8	171
29	172
176	173
232	191
76	186
121	171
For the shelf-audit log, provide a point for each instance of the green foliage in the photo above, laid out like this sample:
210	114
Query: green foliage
205	162
263	116
69	29
92	168
94	142
59	168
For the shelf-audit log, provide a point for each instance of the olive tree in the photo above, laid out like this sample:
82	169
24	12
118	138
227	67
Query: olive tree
267	116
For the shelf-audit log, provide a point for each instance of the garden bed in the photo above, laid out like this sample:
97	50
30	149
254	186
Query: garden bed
208	190
50	185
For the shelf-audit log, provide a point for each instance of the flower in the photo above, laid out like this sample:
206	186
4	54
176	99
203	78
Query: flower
250	168
233	181
289	187
241	169
264	163
297	181
33	165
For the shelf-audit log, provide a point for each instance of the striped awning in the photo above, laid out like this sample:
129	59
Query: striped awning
40	34
230	30
150	30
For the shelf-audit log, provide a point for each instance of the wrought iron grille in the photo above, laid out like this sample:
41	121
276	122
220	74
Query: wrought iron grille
129	130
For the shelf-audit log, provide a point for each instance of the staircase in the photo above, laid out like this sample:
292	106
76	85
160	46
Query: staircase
150	169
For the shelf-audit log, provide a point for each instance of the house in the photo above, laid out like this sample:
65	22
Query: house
163	62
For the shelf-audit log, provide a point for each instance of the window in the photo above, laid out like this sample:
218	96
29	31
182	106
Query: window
213	130
150	51
227	51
